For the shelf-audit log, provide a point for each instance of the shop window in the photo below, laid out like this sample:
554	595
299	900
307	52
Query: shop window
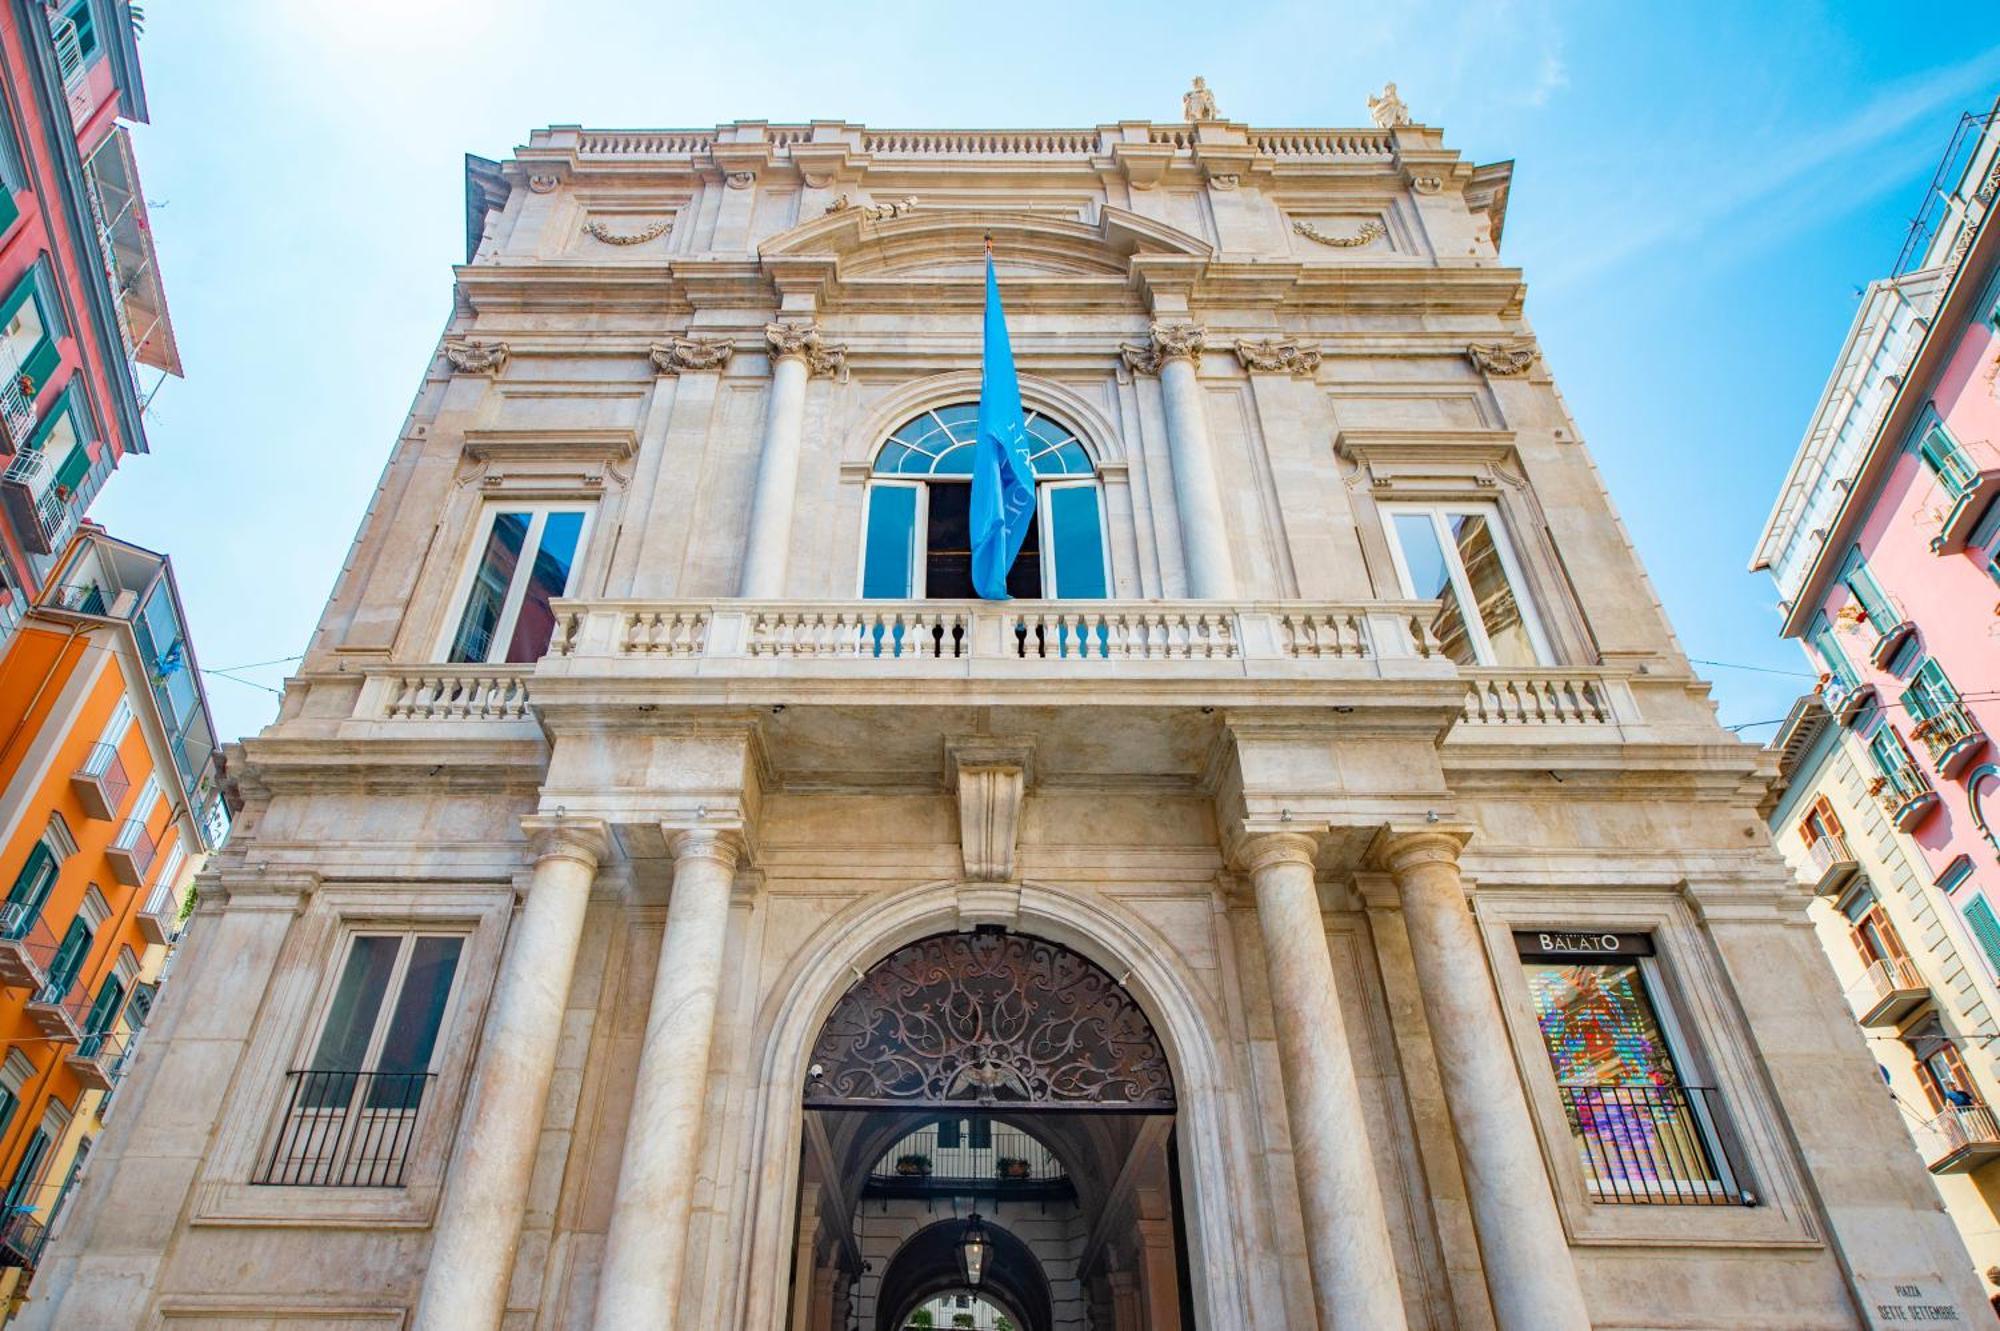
1642	1132
351	1111
917	534
1458	555
525	558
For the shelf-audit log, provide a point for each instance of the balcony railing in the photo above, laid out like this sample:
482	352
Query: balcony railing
1834	865
101	783
1905	794
17	401
1653	1144
1006	1161
160	914
62	1010
45	510
131	852
346	1129
1961	1139
27	947
1888	991
1952	738
69	62
1969	483
1845	698
96	1059
23	1235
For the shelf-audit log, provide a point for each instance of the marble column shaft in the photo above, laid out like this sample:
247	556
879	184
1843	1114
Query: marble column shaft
639	1288
479	1221
1211	572
770	536
1529	1271
1347	1227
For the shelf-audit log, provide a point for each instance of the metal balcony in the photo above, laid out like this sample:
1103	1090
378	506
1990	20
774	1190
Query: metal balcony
22	1238
1834	864
1906	796
61	1014
17	402
160	913
346	1129
1847	700
1007	1162
95	1060
1953	739
1888	991
27	947
29	478
131	854
101	783
1961	1139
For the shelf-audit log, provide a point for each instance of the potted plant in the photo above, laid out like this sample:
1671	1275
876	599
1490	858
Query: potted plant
913	1166
1011	1167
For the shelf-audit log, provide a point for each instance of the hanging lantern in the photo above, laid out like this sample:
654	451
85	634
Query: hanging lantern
973	1249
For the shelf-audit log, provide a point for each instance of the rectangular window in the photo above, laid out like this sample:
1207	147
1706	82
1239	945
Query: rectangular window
1459	556
1985	542
1985	928
1075	526
351	1113
526	558
1827	647
31	889
889	550
27	1174
31	324
1868	593
12	178
68	961
1929	695
1947	461
135	828
1642	1134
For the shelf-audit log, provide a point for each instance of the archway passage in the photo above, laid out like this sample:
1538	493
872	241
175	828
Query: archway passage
985	1018
1005	1075
927	1265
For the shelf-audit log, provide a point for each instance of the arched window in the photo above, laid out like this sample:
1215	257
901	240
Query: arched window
918	534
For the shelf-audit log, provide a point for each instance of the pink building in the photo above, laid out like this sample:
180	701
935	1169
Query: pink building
1893	579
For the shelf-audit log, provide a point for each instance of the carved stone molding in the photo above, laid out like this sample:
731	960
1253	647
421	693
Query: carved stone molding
804	341
598	231
1388	110
1169	341
1371	230
686	355
1426	184
544	184
874	212
818	179
990	779
586	840
988	1019
468	356
740	179
1278	356
1504	360
1225	180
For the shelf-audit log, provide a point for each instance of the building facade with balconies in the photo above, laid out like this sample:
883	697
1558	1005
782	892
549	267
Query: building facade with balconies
1322	897
82	307
107	808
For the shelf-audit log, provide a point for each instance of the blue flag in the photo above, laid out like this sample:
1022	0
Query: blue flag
1003	481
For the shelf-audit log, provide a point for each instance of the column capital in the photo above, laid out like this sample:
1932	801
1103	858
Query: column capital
1401	849
691	355
722	846
1260	850
555	836
805	342
1176	340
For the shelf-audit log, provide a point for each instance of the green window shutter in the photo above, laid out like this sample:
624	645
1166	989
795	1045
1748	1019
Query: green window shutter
74	468
1985	928
69	958
42	358
9	210
1943	456
31	885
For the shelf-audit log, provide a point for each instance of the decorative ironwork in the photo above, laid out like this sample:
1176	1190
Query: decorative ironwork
986	1019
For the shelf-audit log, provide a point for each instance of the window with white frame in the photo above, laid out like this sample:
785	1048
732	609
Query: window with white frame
1458	555
135	829
1643	1133
917	533
352	1109
526	556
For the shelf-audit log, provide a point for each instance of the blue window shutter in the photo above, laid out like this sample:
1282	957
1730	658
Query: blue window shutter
1985	928
890	553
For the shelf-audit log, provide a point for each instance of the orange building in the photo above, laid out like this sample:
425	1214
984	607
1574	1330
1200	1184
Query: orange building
106	805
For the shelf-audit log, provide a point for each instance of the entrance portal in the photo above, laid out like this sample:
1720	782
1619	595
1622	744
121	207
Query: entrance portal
1001	1076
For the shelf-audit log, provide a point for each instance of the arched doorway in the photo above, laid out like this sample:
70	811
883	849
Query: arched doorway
1005	1075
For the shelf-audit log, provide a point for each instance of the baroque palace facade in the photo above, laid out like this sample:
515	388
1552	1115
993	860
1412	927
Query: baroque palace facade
1323	897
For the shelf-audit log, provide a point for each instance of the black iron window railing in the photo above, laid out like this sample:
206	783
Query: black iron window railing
1653	1144
346	1129
22	1238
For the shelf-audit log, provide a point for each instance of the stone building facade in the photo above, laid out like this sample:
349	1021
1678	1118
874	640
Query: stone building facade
1328	863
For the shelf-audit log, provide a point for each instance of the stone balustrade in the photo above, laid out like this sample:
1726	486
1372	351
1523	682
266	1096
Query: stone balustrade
1544	698
446	693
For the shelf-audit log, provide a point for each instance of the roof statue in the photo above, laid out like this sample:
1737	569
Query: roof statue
1198	103
1388	109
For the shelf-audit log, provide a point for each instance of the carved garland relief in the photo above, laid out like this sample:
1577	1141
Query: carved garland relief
1371	230
596	230
988	1019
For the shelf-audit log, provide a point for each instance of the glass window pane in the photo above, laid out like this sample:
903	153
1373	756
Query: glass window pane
350	1023
1430	580
474	640
1499	607
413	1028
948	559
24	330
1076	539
887	558
1598	1024
548	577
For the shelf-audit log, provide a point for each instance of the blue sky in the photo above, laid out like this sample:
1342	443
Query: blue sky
1699	191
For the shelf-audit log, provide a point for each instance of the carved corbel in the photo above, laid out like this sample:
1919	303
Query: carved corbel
1278	356
472	357
990	778
1503	360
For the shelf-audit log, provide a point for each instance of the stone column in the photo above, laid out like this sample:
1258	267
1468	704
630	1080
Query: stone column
797	354
1174	354
1347	1230
639	1288
1529	1271
479	1222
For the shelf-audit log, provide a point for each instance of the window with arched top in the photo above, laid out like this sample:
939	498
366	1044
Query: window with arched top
917	534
